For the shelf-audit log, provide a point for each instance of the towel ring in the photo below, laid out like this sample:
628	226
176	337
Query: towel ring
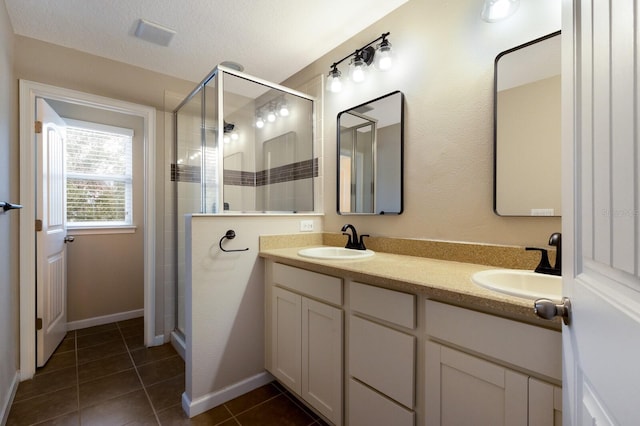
230	235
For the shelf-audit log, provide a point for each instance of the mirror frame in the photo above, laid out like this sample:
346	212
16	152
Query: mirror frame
401	188
495	122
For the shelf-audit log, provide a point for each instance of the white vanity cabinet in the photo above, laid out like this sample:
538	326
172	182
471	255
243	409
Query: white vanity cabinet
363	355
482	369
306	337
382	357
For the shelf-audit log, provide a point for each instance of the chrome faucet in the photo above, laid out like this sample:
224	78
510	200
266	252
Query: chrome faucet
353	242
544	267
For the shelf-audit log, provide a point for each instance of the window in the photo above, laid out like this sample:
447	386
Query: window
99	175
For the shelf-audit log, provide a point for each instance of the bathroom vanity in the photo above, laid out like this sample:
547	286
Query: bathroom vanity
406	340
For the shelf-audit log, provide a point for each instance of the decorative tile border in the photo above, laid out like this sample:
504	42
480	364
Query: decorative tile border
290	172
287	173
185	173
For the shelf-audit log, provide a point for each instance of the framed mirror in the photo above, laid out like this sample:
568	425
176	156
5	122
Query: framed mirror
370	157
527	129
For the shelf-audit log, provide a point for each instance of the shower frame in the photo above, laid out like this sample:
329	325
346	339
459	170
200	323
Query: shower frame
220	151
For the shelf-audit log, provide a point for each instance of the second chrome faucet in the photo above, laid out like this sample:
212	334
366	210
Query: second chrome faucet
353	242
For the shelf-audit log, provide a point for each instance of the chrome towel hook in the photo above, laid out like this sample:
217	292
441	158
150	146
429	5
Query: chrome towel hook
230	235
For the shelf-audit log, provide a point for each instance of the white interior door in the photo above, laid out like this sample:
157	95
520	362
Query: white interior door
601	346
51	265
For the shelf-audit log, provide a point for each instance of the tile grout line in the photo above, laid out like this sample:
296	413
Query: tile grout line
305	409
135	368
233	417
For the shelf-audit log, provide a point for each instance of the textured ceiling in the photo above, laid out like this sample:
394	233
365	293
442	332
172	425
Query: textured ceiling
272	39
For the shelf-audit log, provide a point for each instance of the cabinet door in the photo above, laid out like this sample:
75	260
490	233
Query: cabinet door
286	338
322	358
464	390
545	404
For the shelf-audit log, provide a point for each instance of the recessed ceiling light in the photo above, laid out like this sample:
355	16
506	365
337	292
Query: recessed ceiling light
154	33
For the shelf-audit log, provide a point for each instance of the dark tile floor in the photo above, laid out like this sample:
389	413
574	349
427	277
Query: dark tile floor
105	376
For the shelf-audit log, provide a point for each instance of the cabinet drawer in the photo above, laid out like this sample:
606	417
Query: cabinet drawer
369	408
383	359
388	305
319	286
498	338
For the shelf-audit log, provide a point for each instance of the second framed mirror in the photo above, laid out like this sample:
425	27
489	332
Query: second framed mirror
370	157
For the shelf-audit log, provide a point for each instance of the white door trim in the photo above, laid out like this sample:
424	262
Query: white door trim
28	92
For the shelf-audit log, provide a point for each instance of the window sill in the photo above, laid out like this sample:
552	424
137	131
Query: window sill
101	230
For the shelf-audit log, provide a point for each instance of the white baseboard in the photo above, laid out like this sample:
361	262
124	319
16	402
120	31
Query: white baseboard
8	400
179	344
105	319
213	399
158	340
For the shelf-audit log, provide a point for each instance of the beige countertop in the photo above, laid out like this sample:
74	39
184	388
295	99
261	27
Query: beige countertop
442	280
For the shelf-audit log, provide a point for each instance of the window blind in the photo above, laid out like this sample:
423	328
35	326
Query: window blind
99	176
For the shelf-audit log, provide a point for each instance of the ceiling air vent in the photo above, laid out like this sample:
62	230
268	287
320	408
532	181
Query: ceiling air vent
154	33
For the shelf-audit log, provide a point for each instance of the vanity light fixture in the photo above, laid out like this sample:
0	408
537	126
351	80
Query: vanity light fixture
284	109
334	82
498	10
361	59
271	110
358	67
229	132
271	115
384	55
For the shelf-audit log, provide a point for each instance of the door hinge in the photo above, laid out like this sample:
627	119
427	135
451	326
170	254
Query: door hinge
38	127
38	225
38	323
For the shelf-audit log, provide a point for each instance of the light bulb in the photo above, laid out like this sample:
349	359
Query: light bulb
497	10
334	82
259	123
234	136
271	117
358	70
384	56
226	139
284	110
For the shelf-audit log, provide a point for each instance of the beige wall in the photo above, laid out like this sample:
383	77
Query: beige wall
59	66
9	191
445	56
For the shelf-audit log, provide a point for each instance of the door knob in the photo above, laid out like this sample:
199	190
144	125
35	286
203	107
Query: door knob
69	239
548	309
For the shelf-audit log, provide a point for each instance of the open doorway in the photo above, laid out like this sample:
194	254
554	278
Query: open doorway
82	106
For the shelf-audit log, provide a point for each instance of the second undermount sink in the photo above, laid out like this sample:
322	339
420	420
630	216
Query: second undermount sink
520	283
335	253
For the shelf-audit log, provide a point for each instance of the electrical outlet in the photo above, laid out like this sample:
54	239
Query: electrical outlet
306	225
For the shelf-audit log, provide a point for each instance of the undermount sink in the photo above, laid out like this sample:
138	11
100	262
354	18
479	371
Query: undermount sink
520	283
335	253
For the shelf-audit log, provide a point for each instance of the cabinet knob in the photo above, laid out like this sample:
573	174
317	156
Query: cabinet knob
548	309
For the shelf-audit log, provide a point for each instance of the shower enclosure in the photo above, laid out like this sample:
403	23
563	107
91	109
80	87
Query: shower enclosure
242	146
